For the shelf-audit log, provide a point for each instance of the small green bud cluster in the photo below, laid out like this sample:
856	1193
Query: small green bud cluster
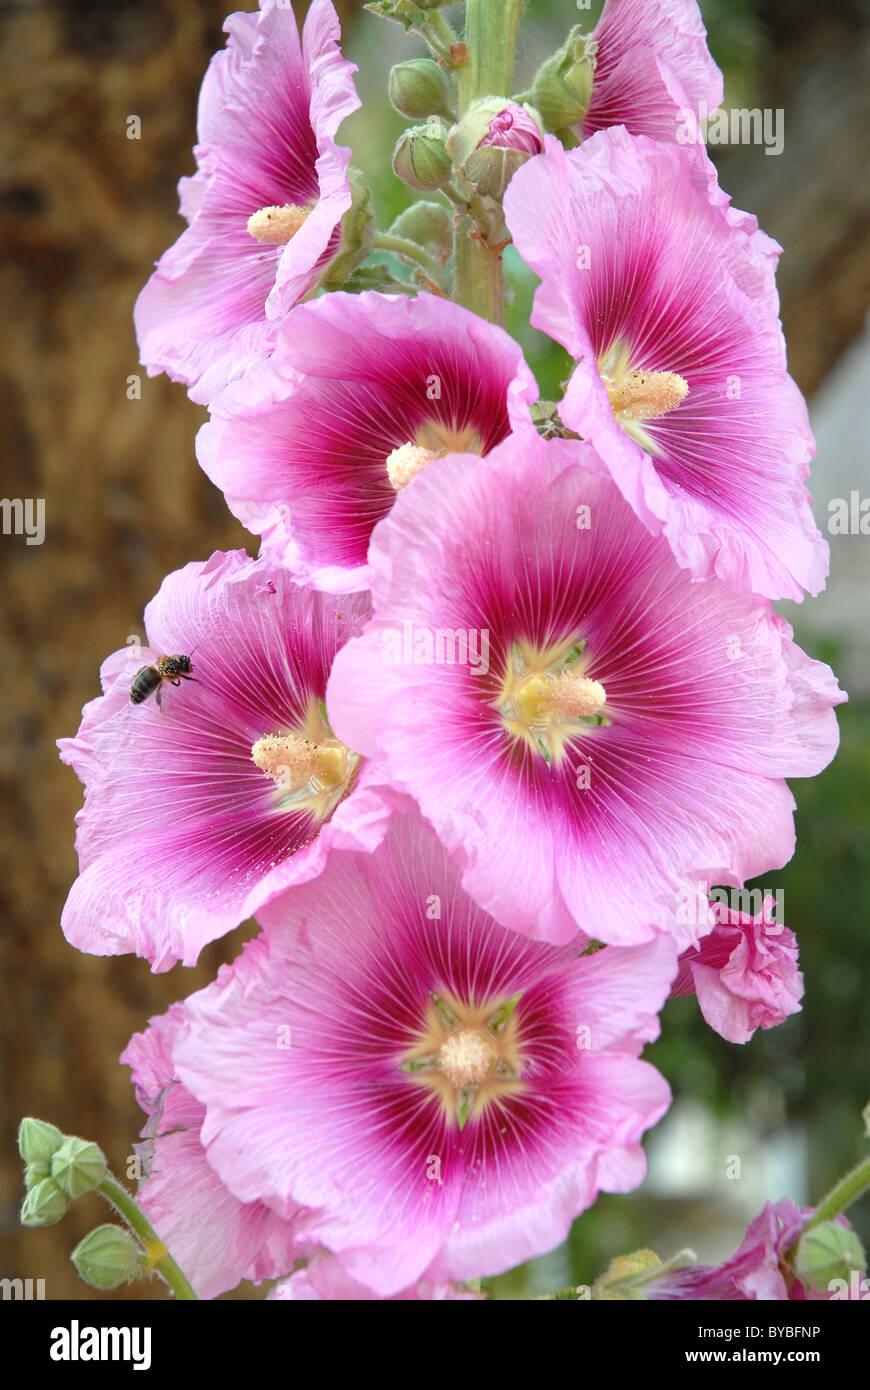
59	1168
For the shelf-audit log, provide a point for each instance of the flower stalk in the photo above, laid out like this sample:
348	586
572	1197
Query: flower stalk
844	1192
159	1258
491	29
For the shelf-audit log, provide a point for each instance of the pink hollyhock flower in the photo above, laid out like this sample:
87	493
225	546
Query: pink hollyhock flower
361	392
744	973
265	204
589	731
449	1096
215	1239
652	67
324	1278
197	811
756	1271
664	296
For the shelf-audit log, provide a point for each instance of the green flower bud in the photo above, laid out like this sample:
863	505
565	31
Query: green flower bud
420	88
626	1278
44	1204
38	1140
357	236
562	89
78	1166
420	158
109	1256
429	224
492	140
828	1251
617	1284
34	1173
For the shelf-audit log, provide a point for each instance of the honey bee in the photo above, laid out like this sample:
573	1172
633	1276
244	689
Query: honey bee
174	669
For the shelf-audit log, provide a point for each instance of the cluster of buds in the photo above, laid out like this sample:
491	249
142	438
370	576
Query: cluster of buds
58	1169
481	151
496	135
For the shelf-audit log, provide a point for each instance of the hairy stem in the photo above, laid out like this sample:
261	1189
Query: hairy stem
491	28
410	251
841	1195
127	1208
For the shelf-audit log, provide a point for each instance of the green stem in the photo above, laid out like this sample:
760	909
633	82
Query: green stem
841	1195
403	246
440	35
478	273
491	28
119	1198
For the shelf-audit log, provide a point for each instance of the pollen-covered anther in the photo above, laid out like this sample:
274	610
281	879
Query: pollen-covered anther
405	463
276	225
546	699
577	697
293	762
647	395
467	1058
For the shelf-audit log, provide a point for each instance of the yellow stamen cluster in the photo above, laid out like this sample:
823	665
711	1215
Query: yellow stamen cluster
277	225
405	463
544	699
647	395
296	763
467	1058
467	1055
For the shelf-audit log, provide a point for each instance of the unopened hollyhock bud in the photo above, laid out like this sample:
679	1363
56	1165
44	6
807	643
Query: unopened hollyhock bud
828	1251
562	89
630	1278
356	239
429	224
420	88
492	140
44	1204
107	1257
78	1166
420	158
38	1141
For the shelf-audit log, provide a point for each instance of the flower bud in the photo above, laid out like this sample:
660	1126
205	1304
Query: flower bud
616	1283
107	1257
828	1251
78	1166
34	1173
492	140
429	224
38	1140
44	1204
562	89
357	237
420	158
420	88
